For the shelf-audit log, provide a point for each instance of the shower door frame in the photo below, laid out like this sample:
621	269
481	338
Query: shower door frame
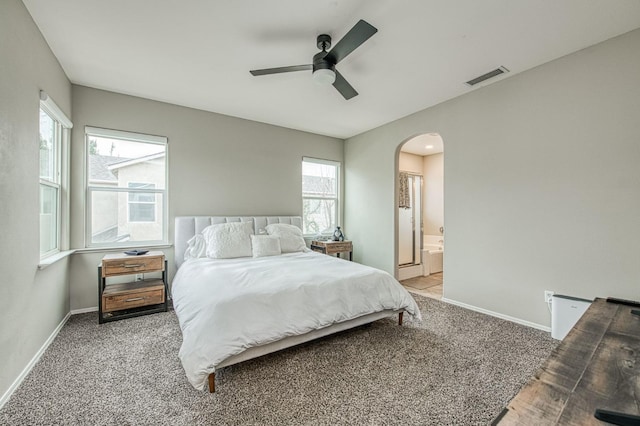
417	251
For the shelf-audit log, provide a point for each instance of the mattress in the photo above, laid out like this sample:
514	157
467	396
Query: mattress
226	306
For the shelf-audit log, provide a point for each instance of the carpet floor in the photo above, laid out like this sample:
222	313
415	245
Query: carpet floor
455	367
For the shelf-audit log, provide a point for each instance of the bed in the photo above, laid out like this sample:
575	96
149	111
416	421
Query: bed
232	310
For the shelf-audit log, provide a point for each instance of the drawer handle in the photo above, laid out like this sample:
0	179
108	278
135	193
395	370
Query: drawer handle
135	299
134	265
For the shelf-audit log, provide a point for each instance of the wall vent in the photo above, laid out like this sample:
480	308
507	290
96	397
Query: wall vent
487	76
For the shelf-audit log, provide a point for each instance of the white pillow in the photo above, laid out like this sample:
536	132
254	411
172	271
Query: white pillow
228	240
290	237
265	245
196	247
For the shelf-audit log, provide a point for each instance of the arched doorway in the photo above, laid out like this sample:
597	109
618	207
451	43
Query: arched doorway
419	236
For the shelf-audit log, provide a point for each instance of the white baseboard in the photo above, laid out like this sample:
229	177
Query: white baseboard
497	315
34	360
84	310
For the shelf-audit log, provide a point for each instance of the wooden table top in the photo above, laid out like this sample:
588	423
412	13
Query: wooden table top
122	255
597	366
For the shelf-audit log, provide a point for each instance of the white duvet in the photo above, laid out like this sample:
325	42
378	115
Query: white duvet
228	305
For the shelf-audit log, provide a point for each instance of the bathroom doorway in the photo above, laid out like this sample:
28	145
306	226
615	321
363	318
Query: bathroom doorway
420	215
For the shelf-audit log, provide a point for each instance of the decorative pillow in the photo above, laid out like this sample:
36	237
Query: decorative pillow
196	247
265	245
228	240
290	237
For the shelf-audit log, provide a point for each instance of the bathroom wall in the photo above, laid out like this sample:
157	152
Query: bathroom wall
410	163
433	197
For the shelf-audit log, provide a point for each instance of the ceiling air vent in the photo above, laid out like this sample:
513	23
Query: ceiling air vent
487	76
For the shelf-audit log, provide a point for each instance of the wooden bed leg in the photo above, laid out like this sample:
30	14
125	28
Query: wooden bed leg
400	318
212	382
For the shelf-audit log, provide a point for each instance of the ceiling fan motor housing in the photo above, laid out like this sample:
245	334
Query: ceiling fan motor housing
320	63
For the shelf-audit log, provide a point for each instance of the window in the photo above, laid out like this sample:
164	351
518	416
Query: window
53	141
142	205
320	183
126	188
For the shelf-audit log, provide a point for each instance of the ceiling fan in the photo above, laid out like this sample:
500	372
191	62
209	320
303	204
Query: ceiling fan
324	63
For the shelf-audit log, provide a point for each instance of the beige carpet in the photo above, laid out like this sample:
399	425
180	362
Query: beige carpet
456	367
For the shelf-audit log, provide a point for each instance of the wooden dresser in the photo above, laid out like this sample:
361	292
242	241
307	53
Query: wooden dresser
134	297
597	366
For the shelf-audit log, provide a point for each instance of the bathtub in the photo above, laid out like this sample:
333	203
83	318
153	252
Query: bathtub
432	256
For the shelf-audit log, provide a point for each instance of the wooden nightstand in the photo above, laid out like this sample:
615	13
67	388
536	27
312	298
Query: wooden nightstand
133	298
333	247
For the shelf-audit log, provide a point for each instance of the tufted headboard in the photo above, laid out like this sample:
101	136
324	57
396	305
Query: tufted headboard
188	226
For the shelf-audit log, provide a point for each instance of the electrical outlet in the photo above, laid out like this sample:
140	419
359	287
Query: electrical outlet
548	294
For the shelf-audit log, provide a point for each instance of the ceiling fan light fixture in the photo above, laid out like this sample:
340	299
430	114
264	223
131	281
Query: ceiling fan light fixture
324	76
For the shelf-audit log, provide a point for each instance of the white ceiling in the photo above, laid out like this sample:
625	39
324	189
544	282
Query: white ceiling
426	144
198	53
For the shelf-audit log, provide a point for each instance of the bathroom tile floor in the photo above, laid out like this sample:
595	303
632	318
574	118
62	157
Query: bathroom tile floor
430	286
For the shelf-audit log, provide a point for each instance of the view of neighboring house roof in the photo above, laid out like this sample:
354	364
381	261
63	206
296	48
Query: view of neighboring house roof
125	162
104	168
99	167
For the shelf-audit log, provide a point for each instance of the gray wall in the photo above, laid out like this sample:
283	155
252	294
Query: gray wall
542	184
218	165
32	302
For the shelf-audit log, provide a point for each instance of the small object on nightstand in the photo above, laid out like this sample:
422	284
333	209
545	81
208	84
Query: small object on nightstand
333	247
136	252
133	298
338	235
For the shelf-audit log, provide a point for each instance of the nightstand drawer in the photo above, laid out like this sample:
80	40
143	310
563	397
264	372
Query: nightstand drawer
339	247
131	265
132	300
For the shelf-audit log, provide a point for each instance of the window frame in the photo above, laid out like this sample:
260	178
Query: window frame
337	198
60	180
164	214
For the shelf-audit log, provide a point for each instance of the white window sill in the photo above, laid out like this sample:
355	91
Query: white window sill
115	249
327	237
50	260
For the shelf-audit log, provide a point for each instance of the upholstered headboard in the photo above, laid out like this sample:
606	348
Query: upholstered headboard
188	226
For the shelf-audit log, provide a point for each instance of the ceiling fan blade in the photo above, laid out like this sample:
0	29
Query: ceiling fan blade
267	71
357	35
343	86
